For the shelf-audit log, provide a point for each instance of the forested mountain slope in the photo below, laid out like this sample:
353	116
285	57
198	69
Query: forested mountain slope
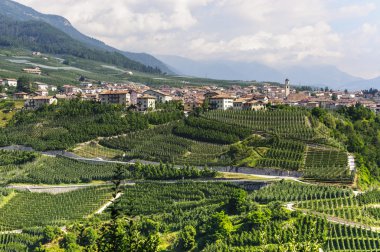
39	36
19	12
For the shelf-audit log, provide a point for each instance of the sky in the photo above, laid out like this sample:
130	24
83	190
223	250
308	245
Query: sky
278	33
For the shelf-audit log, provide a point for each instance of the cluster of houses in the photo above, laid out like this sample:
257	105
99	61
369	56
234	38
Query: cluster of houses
143	98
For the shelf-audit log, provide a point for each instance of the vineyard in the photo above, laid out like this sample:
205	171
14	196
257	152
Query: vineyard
344	238
285	139
333	201
291	124
360	209
63	170
173	207
161	198
287	191
28	240
33	209
159	144
327	165
284	154
178	205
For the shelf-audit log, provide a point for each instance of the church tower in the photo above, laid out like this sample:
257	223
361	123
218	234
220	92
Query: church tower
287	87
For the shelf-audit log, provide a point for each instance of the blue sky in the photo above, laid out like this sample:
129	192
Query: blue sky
344	33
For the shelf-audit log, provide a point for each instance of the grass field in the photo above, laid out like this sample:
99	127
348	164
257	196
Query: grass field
6	114
239	176
94	150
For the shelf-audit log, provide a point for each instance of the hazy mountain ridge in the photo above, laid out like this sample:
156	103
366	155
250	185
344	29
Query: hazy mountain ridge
23	13
228	70
317	75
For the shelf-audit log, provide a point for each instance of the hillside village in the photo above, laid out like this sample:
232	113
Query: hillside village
108	150
143	98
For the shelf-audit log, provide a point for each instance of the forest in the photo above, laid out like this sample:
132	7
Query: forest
359	129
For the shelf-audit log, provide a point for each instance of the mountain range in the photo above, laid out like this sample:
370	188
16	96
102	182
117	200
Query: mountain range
317	75
19	12
19	18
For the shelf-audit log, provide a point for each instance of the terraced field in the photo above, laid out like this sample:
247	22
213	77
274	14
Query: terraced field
287	136
159	144
327	165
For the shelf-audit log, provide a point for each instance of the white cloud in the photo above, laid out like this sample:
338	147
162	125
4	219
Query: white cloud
369	29
270	31
301	43
358	10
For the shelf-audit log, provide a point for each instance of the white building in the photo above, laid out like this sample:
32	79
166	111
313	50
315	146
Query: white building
160	96
42	86
35	70
39	101
10	82
115	97
42	93
221	102
238	103
86	84
146	102
69	89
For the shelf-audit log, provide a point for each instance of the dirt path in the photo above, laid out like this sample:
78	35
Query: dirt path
105	206
18	231
53	189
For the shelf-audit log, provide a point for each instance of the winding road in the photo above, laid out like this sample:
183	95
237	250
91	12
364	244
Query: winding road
333	219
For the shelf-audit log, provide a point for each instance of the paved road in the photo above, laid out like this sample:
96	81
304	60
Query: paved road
55	189
269	173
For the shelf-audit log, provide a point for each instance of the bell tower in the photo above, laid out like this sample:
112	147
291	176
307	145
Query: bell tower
287	87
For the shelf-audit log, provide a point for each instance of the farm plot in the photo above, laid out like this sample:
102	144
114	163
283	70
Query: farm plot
288	191
345	238
284	154
361	209
327	165
61	170
28	240
33	209
159	144
286	124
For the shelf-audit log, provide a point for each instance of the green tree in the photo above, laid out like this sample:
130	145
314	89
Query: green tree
88	238
278	211
69	243
238	202
218	227
24	84
259	218
50	233
186	238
